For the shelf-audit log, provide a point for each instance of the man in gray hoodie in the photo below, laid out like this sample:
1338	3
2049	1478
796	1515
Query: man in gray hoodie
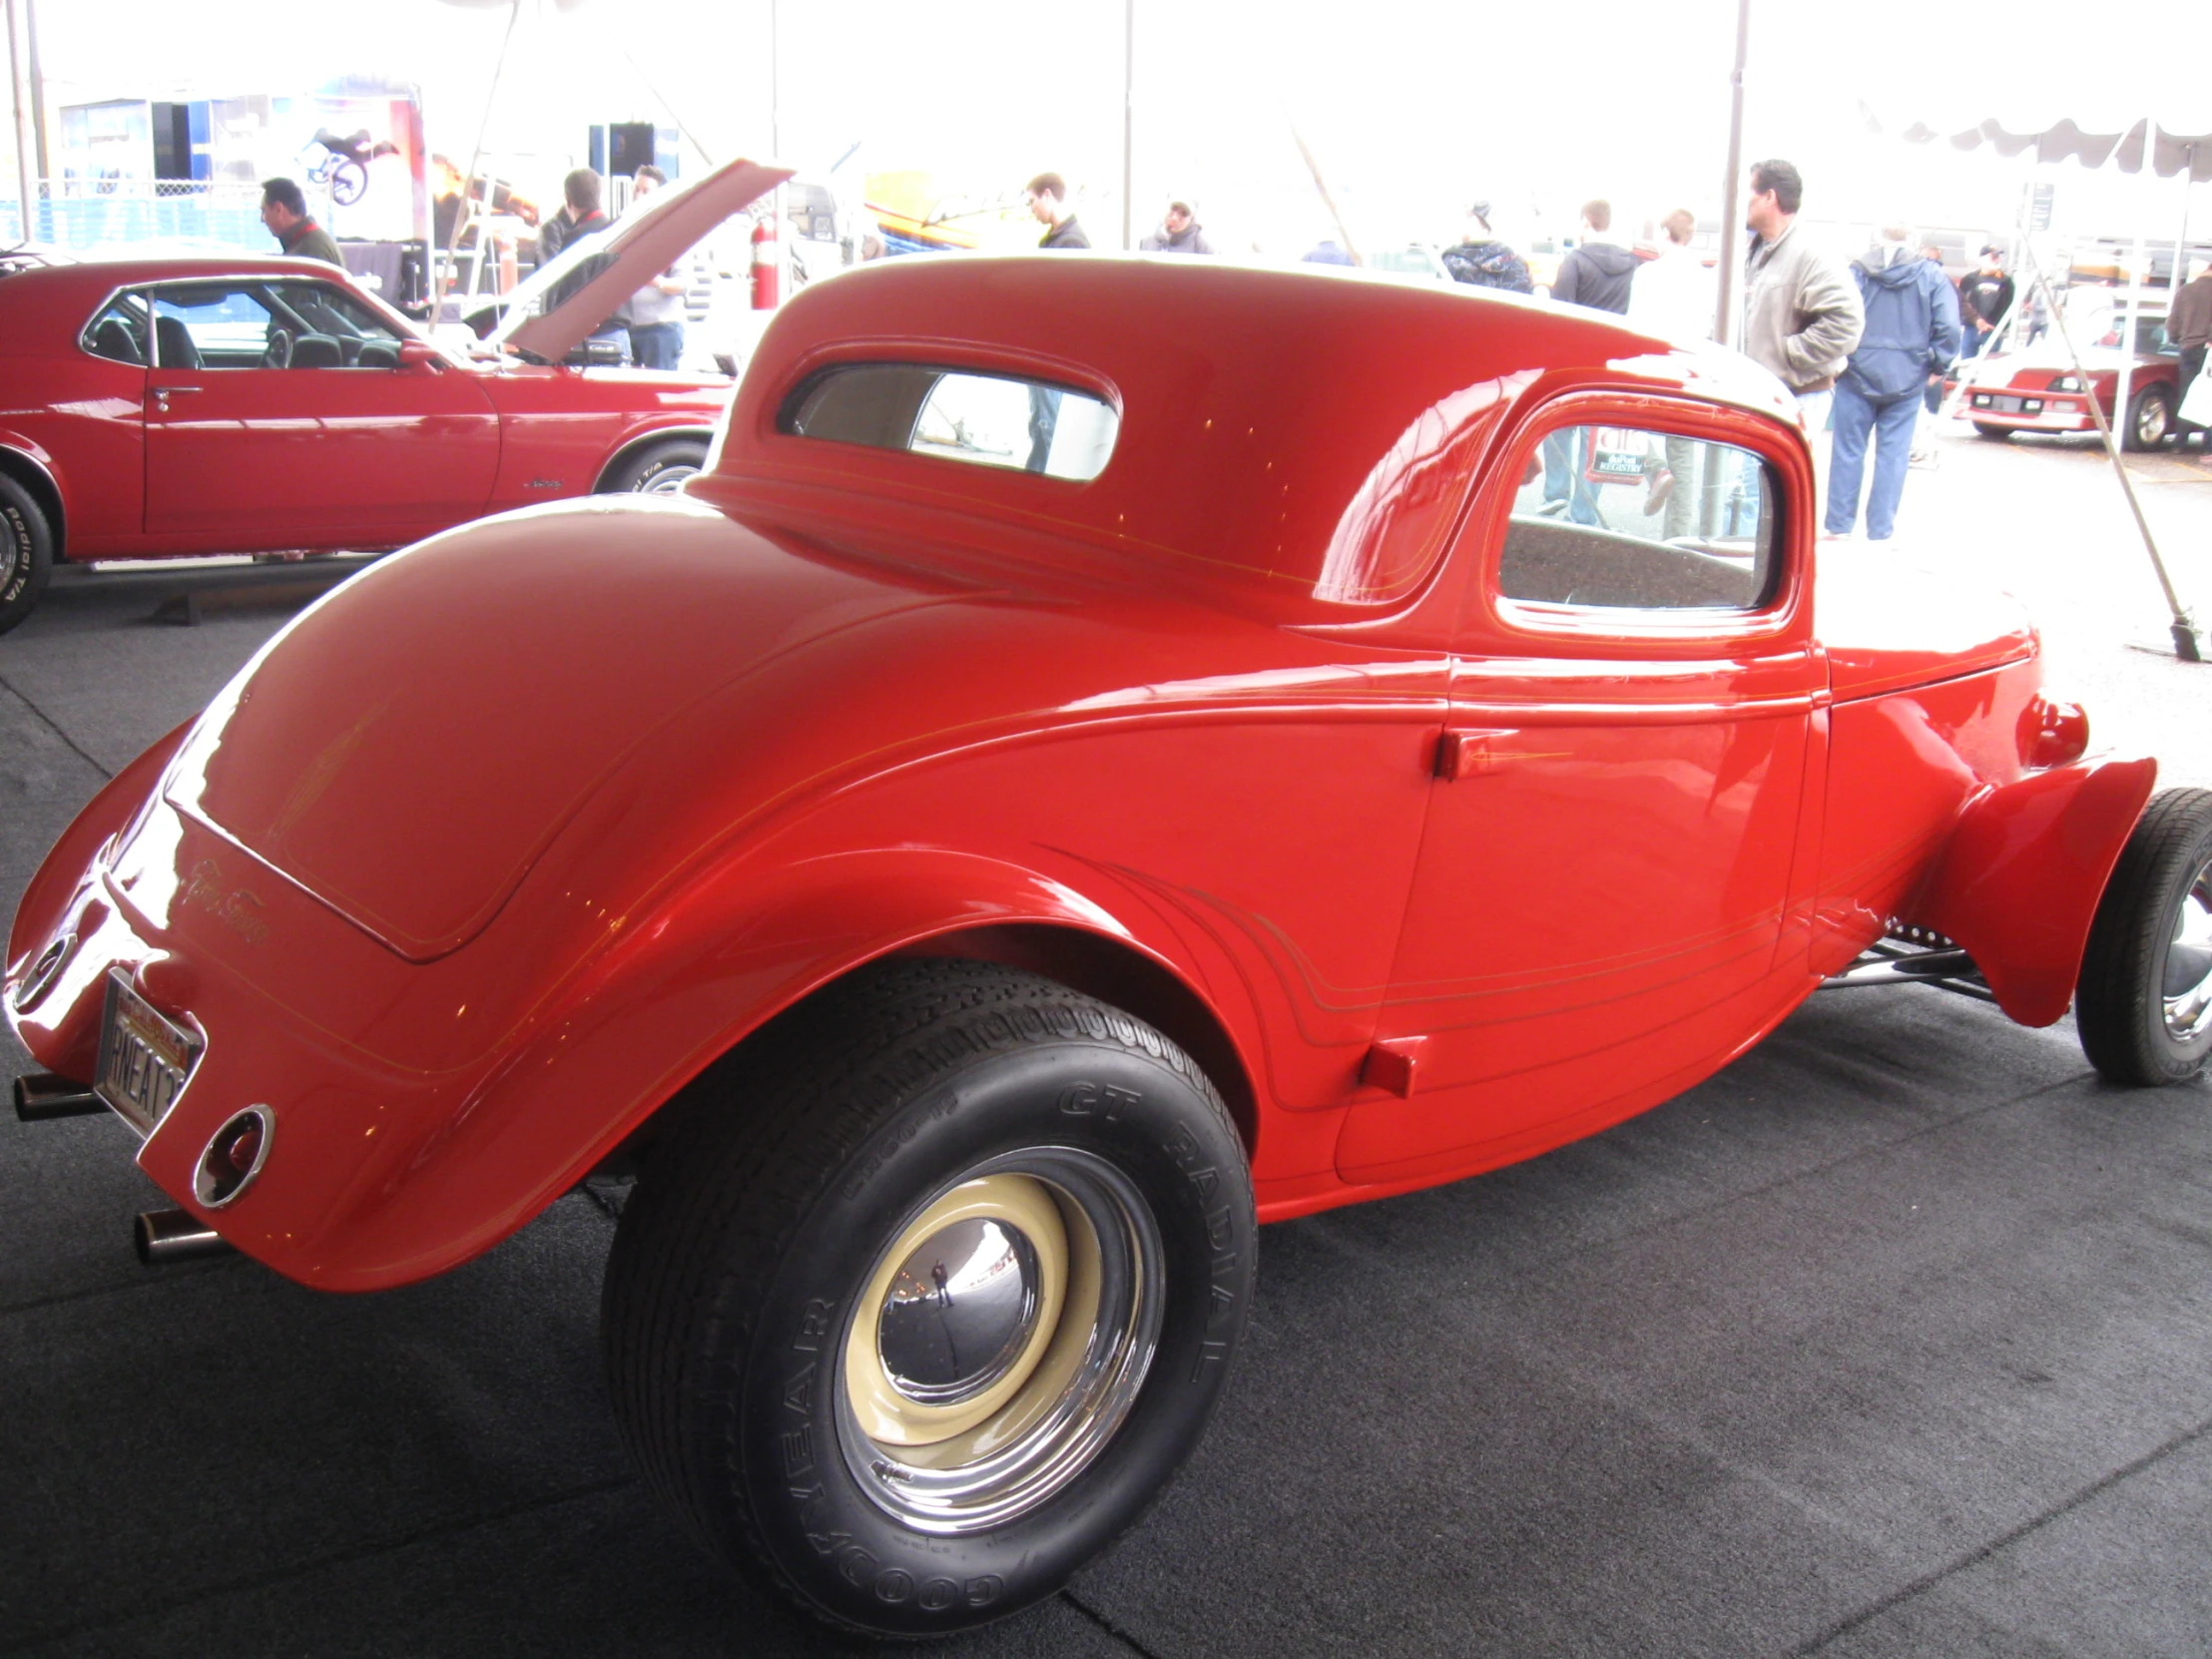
1911	330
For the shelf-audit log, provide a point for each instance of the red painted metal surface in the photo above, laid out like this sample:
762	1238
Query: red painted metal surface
162	462
506	841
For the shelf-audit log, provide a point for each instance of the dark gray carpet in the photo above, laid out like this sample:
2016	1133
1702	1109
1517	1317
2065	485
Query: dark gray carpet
1894	1339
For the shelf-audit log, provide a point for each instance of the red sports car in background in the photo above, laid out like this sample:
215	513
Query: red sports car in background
2040	390
158	408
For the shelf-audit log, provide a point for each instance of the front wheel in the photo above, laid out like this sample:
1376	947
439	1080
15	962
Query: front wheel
26	552
925	1297
2144	1005
2150	415
659	468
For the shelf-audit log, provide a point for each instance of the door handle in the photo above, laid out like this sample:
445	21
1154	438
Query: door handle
1475	752
162	394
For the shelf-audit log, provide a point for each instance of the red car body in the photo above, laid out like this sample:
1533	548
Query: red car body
139	462
277	406
487	855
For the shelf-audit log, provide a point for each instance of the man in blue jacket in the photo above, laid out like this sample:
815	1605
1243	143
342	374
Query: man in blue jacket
1911	330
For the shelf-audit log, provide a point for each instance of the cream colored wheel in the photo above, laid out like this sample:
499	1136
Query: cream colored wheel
1000	1339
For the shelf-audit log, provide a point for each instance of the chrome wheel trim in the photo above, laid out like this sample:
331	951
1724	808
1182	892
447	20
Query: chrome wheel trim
1014	1438
668	480
2152	421
2186	988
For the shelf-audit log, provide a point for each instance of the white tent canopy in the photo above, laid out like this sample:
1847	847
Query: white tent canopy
2174	152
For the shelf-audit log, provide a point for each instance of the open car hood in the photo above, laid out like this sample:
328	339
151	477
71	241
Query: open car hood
637	248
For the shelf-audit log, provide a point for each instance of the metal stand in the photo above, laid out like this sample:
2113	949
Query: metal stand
2187	646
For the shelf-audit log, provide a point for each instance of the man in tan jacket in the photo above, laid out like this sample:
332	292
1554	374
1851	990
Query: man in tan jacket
1802	313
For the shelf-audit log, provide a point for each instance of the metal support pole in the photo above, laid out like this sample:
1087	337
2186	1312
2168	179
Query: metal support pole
1128	125
2183	626
1732	204
23	146
468	180
45	171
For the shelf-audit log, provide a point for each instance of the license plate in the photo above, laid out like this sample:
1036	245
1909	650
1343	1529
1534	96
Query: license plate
2006	405
144	1059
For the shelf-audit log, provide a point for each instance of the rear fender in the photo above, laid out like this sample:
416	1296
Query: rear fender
2020	879
655	1011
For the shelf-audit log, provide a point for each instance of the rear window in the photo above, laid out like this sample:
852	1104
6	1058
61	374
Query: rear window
997	421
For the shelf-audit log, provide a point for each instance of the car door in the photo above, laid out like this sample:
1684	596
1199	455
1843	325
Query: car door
279	415
1609	854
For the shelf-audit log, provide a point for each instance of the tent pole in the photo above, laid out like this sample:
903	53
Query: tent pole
468	181
1732	207
23	146
2183	626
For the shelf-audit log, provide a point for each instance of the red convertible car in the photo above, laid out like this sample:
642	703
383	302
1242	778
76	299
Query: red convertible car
158	408
1109	751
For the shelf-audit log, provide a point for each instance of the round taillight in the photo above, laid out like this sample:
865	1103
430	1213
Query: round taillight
234	1157
44	973
2052	733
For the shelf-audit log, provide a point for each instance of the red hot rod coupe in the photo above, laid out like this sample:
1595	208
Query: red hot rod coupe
1040	802
160	407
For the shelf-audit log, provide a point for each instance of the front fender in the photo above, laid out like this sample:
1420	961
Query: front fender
650	1014
2018	881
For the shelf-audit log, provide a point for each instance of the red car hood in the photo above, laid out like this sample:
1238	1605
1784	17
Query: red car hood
637	249
408	748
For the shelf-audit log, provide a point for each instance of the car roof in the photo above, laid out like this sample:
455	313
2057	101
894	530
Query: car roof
46	307
1278	427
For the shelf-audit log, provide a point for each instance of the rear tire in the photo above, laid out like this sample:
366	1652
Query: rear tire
26	552
658	468
1995	434
814	1360
2150	416
2144	1005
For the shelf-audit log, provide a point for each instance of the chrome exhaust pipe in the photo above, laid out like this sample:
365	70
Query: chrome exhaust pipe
165	1236
40	1095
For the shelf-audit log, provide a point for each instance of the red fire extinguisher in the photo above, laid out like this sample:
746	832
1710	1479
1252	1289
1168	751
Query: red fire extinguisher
766	258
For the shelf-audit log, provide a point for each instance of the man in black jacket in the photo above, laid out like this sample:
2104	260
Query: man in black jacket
586	218
1984	296
1047	196
1598	272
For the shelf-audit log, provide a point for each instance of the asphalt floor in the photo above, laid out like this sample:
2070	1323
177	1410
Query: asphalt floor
1894	1338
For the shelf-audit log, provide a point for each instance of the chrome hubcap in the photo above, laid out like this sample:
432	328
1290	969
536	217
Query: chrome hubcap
1000	1339
960	1313
2187	989
670	480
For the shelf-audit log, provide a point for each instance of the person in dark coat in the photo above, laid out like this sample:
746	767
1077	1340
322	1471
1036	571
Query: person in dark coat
1047	196
1598	272
285	211
1484	261
1596	275
1984	296
1912	331
1179	233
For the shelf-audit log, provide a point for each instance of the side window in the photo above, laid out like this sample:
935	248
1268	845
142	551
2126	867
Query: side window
211	326
119	332
1623	518
983	419
329	328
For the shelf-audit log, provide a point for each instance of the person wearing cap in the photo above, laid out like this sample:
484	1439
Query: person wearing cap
1480	258
1179	233
1984	296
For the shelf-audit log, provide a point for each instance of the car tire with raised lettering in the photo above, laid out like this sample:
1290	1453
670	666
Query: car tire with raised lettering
26	552
927	1291
2143	1006
658	468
